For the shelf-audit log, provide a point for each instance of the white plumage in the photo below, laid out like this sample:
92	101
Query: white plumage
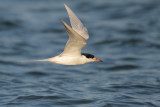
77	24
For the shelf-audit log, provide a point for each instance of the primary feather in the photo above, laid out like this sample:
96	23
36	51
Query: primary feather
76	23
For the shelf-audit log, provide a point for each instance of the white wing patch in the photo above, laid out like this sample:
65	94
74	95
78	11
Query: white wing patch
75	43
76	23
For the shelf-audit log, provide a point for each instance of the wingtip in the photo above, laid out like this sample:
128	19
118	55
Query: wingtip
61	21
65	25
67	8
65	5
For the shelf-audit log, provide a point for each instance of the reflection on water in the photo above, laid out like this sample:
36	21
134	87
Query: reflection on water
124	34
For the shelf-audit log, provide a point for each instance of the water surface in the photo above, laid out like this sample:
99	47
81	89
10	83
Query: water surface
125	34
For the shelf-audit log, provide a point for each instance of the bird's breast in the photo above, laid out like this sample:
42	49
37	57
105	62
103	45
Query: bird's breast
68	60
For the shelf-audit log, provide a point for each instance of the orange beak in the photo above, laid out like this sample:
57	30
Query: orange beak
95	59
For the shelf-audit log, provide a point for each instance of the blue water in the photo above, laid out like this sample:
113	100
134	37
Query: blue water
125	34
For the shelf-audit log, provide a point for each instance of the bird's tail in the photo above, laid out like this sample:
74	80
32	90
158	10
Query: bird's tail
33	60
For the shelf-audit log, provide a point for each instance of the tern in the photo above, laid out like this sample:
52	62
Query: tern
78	35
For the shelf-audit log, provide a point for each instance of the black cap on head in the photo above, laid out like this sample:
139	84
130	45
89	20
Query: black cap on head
88	55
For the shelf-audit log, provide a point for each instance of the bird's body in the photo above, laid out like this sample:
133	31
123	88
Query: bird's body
78	35
68	60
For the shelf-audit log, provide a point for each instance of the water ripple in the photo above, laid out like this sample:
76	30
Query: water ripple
123	33
123	67
35	97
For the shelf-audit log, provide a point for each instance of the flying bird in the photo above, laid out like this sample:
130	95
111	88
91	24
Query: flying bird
78	35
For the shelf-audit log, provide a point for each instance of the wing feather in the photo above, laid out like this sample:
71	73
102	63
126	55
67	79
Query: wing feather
75	43
76	23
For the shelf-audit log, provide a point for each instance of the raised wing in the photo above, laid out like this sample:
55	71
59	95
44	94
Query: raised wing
76	23
75	43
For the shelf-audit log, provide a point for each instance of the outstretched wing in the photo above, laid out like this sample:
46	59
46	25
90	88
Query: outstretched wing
75	43
76	23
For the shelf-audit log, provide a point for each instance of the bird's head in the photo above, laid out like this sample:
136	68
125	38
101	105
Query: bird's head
91	58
